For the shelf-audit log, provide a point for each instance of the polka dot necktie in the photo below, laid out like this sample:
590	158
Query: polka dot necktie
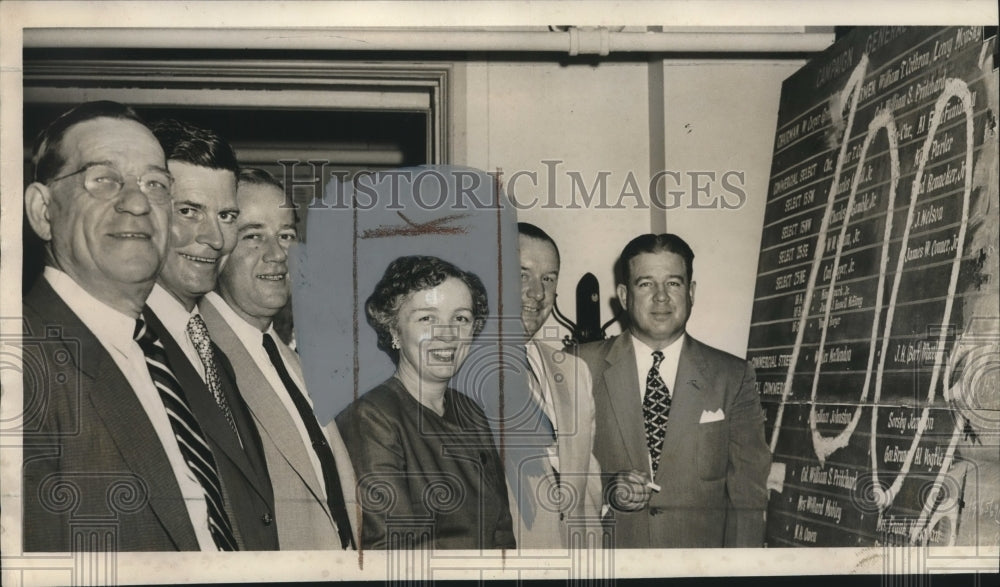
197	331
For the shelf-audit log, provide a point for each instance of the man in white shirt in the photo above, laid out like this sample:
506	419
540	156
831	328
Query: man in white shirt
310	468
681	432
202	233
561	385
103	469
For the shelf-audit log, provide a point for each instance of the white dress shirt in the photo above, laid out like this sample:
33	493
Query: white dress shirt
538	381
667	369
252	340
175	319
114	330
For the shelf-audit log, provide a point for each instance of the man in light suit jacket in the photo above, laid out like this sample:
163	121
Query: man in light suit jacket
561	386
202	233
102	466
310	469
680	434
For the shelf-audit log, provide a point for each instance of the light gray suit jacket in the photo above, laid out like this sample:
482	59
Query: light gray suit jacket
570	385
715	461
303	517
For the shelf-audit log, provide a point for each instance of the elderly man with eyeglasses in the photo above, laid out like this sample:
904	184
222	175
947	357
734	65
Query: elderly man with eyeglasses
113	459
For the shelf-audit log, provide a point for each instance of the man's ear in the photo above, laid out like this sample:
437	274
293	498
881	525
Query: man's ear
691	291
36	207
622	290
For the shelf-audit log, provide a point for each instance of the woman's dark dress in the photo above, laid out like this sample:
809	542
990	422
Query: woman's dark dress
424	479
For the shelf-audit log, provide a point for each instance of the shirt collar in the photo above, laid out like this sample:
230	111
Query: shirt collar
107	323
250	335
168	309
667	368
534	356
643	349
672	352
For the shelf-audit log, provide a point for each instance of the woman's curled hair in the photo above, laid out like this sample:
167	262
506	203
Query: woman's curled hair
410	274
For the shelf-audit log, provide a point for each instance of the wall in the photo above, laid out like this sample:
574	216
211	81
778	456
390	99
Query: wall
591	118
720	115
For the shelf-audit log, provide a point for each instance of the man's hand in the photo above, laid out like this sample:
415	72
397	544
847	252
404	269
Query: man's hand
629	491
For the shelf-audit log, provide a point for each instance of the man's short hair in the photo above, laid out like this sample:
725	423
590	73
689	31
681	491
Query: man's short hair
408	275
531	231
185	142
46	157
263	177
257	176
653	243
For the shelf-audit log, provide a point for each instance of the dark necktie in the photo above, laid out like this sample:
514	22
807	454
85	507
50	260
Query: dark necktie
197	331
190	439
655	410
334	493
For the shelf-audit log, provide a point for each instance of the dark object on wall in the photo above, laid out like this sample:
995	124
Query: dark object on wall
587	327
588	309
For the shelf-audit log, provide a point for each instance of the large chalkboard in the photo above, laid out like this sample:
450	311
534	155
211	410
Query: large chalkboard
878	242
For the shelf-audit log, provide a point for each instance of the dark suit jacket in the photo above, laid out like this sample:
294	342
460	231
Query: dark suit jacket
712	474
426	480
95	474
246	486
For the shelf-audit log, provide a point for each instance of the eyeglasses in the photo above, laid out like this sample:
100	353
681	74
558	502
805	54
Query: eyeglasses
105	182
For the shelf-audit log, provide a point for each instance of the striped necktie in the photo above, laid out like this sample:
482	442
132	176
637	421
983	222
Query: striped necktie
195	451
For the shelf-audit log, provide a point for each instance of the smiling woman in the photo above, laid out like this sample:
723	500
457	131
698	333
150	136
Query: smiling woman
428	472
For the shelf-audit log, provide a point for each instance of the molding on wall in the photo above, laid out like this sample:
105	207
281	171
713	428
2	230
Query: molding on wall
285	84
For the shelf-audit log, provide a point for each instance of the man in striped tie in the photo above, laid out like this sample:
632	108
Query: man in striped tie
105	468
202	233
680	431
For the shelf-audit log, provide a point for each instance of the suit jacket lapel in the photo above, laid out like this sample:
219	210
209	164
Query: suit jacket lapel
214	425
623	387
574	445
691	396
119	409
694	376
264	404
252	447
295	366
